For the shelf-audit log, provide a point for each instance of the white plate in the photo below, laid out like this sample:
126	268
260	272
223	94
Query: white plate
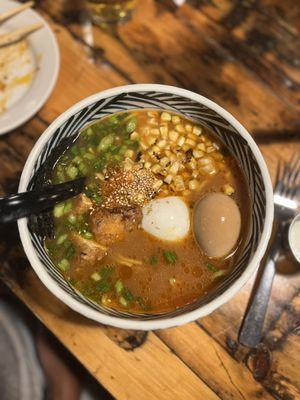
42	56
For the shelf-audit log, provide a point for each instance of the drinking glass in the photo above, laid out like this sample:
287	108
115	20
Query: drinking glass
110	11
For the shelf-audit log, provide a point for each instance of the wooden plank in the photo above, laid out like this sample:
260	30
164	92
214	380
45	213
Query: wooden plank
212	363
136	51
151	371
168	51
268	50
78	78
285	13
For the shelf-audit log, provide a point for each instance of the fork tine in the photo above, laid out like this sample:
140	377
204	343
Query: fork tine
294	171
294	160
279	172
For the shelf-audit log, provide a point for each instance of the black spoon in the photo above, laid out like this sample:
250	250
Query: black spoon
25	204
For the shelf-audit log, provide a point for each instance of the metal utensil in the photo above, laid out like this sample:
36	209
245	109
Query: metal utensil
293	238
286	201
22	205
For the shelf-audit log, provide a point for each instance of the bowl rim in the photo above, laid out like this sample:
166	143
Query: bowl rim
149	324
50	38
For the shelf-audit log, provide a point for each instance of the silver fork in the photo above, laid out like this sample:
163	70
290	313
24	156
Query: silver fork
286	202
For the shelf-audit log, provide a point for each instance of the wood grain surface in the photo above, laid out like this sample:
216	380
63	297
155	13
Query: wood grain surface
245	55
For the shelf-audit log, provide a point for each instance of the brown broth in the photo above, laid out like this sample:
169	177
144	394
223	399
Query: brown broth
156	287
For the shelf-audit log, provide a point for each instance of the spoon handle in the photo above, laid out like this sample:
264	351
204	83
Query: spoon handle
253	323
22	205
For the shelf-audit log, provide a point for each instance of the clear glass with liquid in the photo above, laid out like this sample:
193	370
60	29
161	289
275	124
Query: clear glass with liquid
110	11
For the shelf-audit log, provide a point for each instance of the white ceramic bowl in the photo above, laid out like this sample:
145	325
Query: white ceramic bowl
44	55
206	112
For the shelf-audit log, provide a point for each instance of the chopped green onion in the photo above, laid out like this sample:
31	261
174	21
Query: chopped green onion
117	157
106	142
83	168
59	210
74	150
170	257
96	276
131	125
153	260
77	160
72	171
89	132
64	264
106	271
119	287
87	235
123	301
113	120
70	251
72	219
61	238
89	156
128	295
103	286
211	266
82	151
142	304
219	273
68	206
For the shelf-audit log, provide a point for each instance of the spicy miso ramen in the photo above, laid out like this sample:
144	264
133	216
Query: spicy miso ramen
130	241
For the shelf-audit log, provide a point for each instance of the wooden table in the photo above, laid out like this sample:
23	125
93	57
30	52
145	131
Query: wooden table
245	55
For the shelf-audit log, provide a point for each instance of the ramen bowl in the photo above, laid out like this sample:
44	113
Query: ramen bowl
209	115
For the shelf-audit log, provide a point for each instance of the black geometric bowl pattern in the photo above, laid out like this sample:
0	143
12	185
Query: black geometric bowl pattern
199	113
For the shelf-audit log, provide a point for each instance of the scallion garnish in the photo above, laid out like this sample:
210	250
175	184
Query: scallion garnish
170	257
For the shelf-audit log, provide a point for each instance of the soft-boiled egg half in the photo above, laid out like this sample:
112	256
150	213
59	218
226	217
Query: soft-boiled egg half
167	218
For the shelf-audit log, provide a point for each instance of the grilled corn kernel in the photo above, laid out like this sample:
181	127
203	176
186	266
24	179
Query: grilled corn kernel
156	149
168	179
129	153
179	128
174	168
134	136
188	127
198	153
228	189
155	168
192	136
197	130
164	131
205	161
147	164
151	140
165	116
192	164
190	142
193	184
154	132
180	141
210	149
157	184
152	114
173	135
164	161
208	169
162	143
179	183
201	146
175	119
144	146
